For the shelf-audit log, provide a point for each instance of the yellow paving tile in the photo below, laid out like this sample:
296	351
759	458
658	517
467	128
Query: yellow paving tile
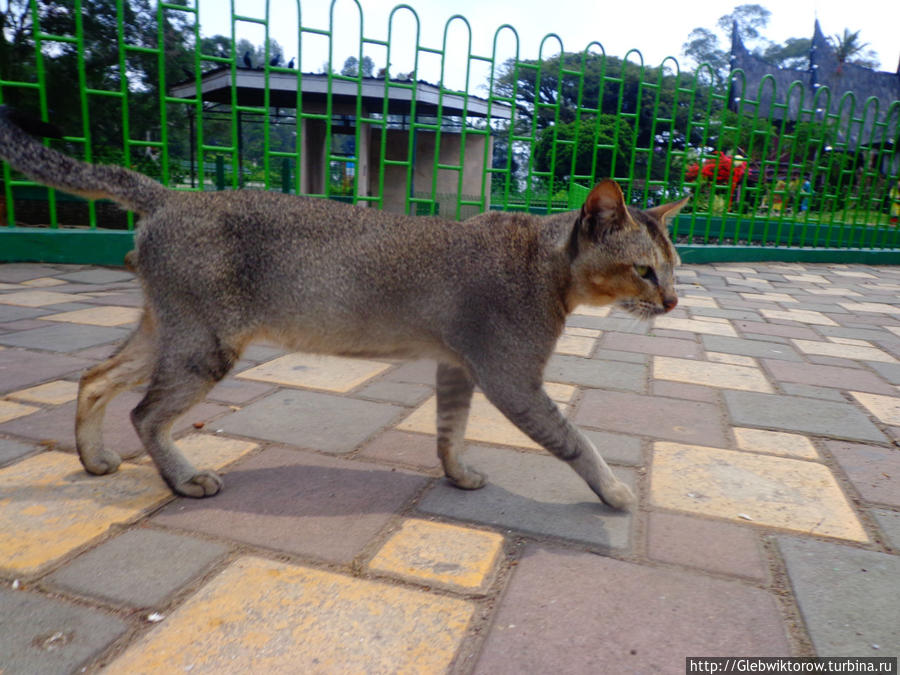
807	278
264	616
733	359
696	301
37	298
849	341
575	345
561	393
723	375
315	371
769	297
43	282
843	351
9	287
876	307
10	411
894	329
801	315
49	507
858	275
831	291
51	393
214	452
449	555
593	310
885	408
746	487
694	326
582	332
775	443
107	315
486	423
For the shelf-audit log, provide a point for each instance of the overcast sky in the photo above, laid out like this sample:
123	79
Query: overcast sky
657	28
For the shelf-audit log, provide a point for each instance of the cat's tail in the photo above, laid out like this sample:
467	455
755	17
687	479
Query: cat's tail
132	190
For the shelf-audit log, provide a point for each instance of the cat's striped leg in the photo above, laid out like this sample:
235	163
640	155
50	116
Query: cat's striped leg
454	398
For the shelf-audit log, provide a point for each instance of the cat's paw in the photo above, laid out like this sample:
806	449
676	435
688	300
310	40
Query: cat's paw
101	463
618	496
201	484
470	479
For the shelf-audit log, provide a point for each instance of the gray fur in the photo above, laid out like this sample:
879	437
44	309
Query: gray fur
487	299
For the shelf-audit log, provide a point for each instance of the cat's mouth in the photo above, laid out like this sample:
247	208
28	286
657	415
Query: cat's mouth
641	308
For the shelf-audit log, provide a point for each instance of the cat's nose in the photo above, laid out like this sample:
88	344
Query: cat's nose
669	303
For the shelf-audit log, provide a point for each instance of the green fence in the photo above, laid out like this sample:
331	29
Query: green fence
433	129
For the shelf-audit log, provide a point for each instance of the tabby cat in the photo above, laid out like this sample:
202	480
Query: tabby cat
486	299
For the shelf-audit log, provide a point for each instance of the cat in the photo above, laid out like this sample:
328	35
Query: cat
486	298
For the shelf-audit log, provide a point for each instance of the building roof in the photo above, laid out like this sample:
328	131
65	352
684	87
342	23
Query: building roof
216	86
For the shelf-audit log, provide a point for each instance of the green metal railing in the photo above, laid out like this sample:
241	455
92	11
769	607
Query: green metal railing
803	177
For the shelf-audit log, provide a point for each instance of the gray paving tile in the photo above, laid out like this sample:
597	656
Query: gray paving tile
653	416
848	597
617	448
64	337
400	447
20	368
403	393
577	613
416	372
791	413
98	275
595	373
889	371
11	450
820	375
49	636
889	522
810	391
874	472
534	493
311	420
10	313
141	567
795	332
755	348
289	500
238	392
15	273
642	344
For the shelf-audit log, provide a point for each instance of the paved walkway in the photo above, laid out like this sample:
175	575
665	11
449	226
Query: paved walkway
758	423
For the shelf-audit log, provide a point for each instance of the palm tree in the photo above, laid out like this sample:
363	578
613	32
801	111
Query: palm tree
848	48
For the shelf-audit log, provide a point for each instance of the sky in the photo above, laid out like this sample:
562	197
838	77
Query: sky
657	28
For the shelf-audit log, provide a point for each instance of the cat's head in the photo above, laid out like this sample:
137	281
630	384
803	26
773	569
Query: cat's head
623	255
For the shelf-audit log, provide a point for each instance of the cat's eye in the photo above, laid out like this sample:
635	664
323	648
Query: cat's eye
643	271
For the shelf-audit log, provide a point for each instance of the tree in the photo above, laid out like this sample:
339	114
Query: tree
585	137
351	67
703	45
849	48
794	53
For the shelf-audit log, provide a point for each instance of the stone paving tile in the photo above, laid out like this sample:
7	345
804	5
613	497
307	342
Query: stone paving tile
843	351
43	282
617	448
775	443
651	345
295	501
800	315
315	371
753	348
10	410
238	392
51	393
596	373
575	345
19	272
398	447
64	337
311	420
21	368
761	489
885	408
415	372
694	326
532	493
705	544
486	423
259	615
889	371
826	376
98	316
721	375
141	567
790	413
11	450
640	619
98	275
874	472
775	329
684	391
811	392
34	298
847	597
423	551
667	418
11	313
889	522
49	636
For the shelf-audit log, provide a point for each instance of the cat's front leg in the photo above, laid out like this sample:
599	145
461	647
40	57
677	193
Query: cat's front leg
454	398
535	413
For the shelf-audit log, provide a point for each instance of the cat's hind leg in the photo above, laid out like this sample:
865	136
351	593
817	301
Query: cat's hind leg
184	372
128	367
454	399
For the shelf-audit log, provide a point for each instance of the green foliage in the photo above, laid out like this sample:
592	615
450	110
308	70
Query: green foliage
601	147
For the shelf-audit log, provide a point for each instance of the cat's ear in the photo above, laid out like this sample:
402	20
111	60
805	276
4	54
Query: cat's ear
665	212
603	210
